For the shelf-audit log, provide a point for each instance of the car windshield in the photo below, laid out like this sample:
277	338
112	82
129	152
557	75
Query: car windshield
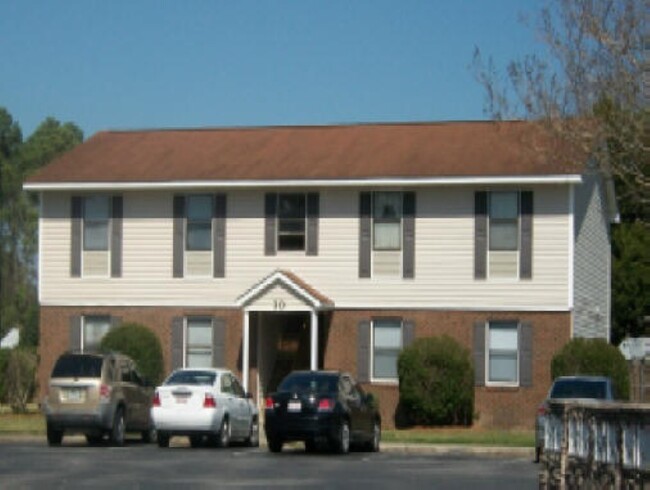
578	388
309	383
78	366
204	378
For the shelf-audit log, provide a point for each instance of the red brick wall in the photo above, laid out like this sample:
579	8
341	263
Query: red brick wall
494	407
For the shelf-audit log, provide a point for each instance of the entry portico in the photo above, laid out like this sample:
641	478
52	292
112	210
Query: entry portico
281	292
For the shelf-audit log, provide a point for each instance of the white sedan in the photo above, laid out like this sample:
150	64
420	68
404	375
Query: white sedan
204	404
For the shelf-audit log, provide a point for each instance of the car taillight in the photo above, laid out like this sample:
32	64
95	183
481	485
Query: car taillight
209	401
541	410
325	405
269	404
156	399
104	391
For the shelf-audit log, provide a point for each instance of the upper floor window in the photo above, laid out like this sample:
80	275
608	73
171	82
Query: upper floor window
504	221
291	221
96	216
199	223
387	220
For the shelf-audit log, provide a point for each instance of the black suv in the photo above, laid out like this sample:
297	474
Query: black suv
321	408
97	395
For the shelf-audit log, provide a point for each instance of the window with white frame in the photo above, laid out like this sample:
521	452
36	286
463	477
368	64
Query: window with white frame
387	220
199	223
386	346
198	342
292	216
93	329
503	353
504	221
96	216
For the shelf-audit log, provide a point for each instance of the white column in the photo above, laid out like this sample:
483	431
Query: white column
313	365
245	349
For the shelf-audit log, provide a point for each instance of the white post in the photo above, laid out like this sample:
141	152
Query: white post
314	341
245	349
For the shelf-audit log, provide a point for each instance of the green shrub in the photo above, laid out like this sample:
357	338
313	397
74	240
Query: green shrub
4	358
140	344
593	357
20	378
436	382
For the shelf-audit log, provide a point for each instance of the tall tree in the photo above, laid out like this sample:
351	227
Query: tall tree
19	215
587	89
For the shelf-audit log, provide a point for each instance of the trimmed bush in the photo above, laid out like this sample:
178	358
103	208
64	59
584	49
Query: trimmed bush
20	378
4	357
436	382
593	357
141	345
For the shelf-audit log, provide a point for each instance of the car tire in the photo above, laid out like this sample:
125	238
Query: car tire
118	429
54	436
149	435
341	444
253	439
373	444
224	433
275	445
310	446
538	454
162	439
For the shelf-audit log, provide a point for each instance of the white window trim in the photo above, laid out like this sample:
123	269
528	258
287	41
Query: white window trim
503	384
384	381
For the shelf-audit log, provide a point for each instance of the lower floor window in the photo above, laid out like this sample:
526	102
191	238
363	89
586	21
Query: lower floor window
386	346
503	352
198	343
92	332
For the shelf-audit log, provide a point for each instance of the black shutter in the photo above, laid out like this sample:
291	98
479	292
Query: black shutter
117	213
179	245
313	210
408	333
525	354
218	342
479	354
408	236
75	236
270	212
177	343
75	333
365	233
526	252
480	235
363	352
219	236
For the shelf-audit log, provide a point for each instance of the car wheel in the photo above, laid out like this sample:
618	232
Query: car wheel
373	445
275	445
163	439
342	443
538	453
253	439
118	429
149	435
310	446
196	440
224	433
54	436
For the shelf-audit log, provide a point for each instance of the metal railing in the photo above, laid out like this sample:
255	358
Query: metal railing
596	445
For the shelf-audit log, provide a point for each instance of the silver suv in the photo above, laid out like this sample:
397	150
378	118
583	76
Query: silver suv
97	395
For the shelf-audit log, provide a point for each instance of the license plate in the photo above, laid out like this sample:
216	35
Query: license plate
181	399
294	406
73	395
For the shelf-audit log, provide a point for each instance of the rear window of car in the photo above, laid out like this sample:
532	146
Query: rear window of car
309	383
77	366
204	378
579	389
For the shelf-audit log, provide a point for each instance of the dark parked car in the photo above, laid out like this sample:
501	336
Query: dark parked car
573	388
97	395
322	408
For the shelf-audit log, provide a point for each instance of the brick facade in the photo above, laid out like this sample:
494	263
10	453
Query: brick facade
494	407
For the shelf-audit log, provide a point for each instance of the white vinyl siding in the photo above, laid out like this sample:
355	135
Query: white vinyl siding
444	259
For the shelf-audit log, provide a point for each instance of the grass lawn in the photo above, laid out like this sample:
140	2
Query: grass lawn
32	422
449	435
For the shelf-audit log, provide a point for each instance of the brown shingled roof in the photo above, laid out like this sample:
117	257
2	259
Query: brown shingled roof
364	151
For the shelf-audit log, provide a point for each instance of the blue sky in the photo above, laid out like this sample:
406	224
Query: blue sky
125	64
